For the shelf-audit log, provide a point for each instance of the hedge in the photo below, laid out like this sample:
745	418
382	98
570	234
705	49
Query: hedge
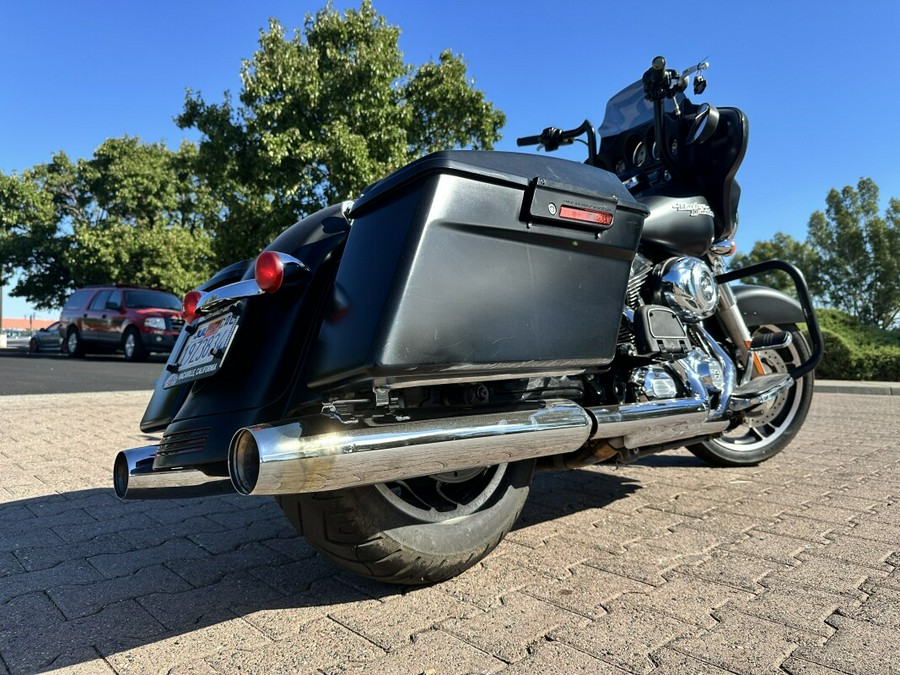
857	352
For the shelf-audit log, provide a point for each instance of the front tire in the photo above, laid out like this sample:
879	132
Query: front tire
132	346
756	439
416	531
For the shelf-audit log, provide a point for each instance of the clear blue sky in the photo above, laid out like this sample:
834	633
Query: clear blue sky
818	80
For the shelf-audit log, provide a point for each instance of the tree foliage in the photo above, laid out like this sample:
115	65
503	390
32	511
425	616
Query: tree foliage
130	214
322	113
851	256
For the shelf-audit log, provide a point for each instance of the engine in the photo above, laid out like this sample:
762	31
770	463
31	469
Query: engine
661	338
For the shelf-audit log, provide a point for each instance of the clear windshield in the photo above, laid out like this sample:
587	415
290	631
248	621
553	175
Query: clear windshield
628	109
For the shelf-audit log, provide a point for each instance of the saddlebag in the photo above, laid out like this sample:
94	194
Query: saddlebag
471	264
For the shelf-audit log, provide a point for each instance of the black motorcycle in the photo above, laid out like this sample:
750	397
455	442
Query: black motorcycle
395	368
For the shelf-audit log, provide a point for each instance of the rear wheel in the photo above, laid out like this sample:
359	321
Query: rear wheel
416	531
757	438
34	346
74	345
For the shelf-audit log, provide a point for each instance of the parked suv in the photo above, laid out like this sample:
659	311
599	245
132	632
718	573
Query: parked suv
129	318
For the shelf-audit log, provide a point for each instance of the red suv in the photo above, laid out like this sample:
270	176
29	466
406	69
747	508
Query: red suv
108	318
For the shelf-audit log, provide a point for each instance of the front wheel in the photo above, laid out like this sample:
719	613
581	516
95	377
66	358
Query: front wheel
74	345
415	531
756	439
132	346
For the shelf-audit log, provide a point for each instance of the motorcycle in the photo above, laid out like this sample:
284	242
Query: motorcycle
394	369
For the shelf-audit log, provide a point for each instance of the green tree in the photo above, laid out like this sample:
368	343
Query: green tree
321	114
859	254
781	247
131	214
851	256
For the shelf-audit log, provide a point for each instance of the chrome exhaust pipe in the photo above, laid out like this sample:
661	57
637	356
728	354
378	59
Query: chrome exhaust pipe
270	460
135	478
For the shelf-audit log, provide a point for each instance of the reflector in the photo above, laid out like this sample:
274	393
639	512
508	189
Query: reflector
586	215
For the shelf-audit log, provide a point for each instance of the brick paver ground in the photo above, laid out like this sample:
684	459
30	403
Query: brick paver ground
666	566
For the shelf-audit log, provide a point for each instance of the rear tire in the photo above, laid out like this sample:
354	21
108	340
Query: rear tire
418	531
34	346
74	344
757	439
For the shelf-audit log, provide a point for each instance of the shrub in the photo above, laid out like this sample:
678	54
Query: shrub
857	352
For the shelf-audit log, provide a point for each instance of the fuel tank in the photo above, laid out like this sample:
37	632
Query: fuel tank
678	225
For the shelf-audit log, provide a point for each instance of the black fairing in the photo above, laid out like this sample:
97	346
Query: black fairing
677	225
257	381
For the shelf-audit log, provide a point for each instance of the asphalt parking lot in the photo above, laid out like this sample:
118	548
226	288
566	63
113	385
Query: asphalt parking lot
665	566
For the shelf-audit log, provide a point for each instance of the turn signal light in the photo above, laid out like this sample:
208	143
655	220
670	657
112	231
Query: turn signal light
189	305
269	271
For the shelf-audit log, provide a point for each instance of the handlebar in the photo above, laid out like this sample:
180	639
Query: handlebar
552	137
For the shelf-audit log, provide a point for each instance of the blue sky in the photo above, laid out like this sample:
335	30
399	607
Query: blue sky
819	81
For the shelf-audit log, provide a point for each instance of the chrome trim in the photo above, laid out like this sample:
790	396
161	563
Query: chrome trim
389	384
246	288
683	286
135	478
724	247
739	403
280	460
729	372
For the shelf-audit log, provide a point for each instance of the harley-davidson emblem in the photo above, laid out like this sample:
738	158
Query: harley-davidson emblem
695	208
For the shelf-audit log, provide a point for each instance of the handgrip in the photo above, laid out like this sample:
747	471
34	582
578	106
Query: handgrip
528	140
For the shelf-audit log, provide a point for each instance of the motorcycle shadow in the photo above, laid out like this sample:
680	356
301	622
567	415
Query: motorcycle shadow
86	575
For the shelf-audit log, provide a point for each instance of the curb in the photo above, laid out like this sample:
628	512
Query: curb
858	388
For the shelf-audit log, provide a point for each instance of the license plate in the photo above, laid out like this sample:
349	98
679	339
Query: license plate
203	352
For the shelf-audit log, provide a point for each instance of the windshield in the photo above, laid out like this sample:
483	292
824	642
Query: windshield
151	300
629	109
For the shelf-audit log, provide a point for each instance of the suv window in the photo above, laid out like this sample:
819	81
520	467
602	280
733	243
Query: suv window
151	300
99	301
77	300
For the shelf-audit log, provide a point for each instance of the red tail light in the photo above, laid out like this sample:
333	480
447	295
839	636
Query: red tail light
269	271
189	305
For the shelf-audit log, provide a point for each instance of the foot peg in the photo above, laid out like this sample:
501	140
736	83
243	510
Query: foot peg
765	341
759	391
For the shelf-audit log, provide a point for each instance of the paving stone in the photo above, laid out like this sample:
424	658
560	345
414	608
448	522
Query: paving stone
585	591
394	623
694	505
318	645
882	608
795	666
433	651
85	661
34	611
799	528
686	598
556	657
194	508
725	526
687	540
843	546
857	647
483	584
795	606
734	569
154	535
506	631
295	548
643	563
670	662
82	599
291	578
877	531
178	605
44	556
227	540
169	650
556	557
625	637
828	514
206	569
91	528
27	651
770	546
745	644
757	507
122	564
829	575
73	571
9	564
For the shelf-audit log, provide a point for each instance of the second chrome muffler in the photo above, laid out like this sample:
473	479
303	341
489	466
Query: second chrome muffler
270	460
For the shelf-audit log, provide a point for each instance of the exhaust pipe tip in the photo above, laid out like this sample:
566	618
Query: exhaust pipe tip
121	473
243	462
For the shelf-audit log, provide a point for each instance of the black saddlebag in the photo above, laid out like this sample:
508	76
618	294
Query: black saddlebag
471	264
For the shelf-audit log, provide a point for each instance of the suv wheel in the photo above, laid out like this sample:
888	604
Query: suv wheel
74	345
132	346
